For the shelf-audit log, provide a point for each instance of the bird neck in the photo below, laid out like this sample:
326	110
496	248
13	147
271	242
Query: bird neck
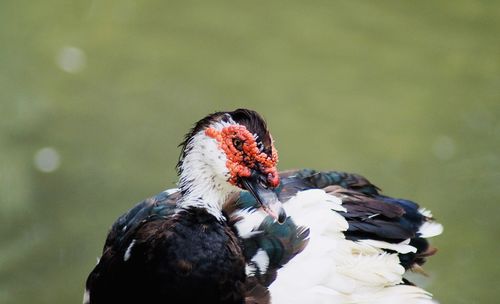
199	185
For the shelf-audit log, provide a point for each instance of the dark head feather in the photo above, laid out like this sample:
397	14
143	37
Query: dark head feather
252	120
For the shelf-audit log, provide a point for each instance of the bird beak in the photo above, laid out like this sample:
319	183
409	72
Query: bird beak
257	185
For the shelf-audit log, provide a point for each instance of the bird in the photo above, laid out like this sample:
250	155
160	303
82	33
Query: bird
236	230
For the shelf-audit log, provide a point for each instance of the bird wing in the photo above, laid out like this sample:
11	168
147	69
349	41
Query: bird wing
375	217
342	239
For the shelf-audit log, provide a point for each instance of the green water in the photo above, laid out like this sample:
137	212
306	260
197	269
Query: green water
406	93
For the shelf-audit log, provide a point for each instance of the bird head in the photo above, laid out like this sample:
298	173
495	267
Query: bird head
235	151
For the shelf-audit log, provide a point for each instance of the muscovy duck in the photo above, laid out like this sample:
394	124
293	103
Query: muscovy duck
343	241
179	247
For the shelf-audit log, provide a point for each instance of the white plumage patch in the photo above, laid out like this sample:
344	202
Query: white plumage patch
261	259
425	212
402	247
204	170
250	220
430	229
128	252
250	269
313	209
172	191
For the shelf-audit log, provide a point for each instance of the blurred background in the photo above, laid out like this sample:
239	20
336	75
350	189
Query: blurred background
96	95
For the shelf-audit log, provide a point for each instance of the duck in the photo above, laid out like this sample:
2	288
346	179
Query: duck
236	230
180	246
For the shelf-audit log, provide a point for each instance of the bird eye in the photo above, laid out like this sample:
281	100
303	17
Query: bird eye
238	143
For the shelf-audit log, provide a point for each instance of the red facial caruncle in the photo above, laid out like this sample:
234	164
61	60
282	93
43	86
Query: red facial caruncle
243	154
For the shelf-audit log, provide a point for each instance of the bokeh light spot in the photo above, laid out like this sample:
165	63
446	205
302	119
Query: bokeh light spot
47	160
71	59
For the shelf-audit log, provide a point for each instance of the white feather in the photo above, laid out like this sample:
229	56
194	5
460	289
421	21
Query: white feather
425	212
402	247
250	269
172	191
250	220
430	229
261	259
395	295
126	256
